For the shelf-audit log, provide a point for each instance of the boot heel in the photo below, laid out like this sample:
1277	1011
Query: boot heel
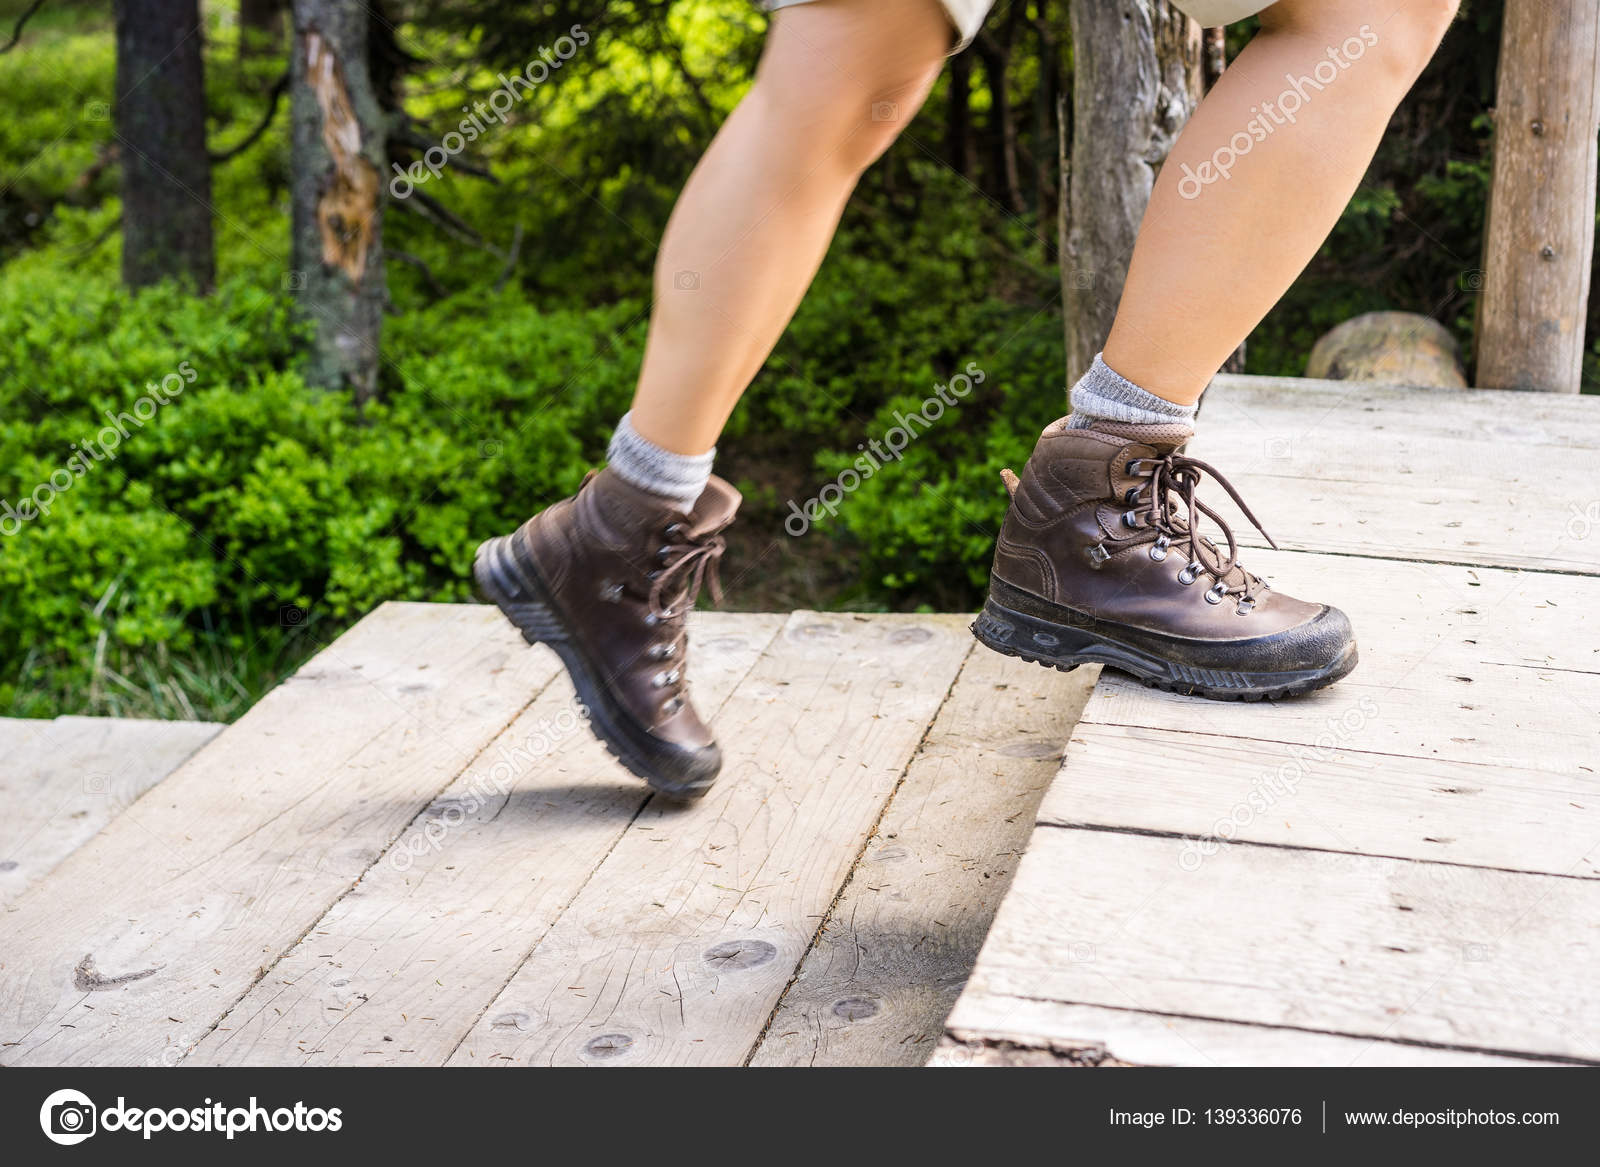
1033	640
498	581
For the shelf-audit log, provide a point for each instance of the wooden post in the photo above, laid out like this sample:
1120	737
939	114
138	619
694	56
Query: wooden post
1542	206
1137	78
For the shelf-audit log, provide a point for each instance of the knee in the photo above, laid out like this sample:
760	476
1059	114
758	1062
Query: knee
1410	36
1400	40
843	99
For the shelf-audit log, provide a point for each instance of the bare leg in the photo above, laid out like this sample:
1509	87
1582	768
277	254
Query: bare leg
838	81
1216	253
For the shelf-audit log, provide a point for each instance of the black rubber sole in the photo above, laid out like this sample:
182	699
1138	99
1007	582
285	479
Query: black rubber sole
515	588
1083	641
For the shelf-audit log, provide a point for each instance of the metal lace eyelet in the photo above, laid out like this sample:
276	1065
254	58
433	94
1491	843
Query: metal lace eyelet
673	531
674	676
611	593
672	705
1245	607
662	553
650	620
1131	495
1189	574
1158	549
1217	593
1129	468
1130	520
653	575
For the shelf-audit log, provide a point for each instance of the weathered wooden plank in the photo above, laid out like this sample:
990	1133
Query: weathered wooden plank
897	947
986	1029
1462	664
61	781
1460	957
1484	477
1342	407
679	947
145	936
399	970
1215	788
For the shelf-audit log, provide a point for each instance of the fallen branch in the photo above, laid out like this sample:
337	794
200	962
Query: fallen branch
406	257
274	99
16	33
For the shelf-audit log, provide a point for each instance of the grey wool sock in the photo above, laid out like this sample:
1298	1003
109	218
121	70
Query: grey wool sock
1105	395
637	460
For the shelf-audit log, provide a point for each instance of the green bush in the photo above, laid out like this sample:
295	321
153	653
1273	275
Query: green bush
250	519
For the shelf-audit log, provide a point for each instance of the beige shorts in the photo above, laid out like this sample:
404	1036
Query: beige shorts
967	15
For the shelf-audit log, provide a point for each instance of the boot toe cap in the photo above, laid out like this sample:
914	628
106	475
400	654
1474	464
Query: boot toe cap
1319	643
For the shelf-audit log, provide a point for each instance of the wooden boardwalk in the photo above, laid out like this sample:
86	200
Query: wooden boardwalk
1404	869
412	852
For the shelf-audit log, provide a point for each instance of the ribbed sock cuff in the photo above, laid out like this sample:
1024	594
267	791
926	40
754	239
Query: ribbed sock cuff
639	461
1105	395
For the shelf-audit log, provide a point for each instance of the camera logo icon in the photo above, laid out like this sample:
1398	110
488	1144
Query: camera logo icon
67	1117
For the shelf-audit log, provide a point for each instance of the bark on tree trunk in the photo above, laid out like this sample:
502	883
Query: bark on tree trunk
338	160
161	131
1138	76
1540	245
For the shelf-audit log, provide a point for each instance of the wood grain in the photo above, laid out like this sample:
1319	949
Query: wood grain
1489	477
400	969
61	781
898	946
679	947
144	937
1459	957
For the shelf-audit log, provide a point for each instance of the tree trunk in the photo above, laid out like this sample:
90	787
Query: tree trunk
958	115
1138	76
260	27
1540	244
161	129
338	160
1045	131
1002	124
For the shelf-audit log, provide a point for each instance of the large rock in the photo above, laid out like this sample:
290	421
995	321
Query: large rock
1401	348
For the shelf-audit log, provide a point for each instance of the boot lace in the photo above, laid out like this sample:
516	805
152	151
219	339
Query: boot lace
686	563
1176	478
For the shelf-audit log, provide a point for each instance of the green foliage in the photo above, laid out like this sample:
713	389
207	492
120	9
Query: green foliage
247	501
251	519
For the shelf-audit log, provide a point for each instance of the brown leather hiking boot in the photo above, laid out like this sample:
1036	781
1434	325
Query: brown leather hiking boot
1098	563
606	579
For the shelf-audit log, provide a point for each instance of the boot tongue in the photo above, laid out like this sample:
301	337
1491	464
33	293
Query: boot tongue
715	507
